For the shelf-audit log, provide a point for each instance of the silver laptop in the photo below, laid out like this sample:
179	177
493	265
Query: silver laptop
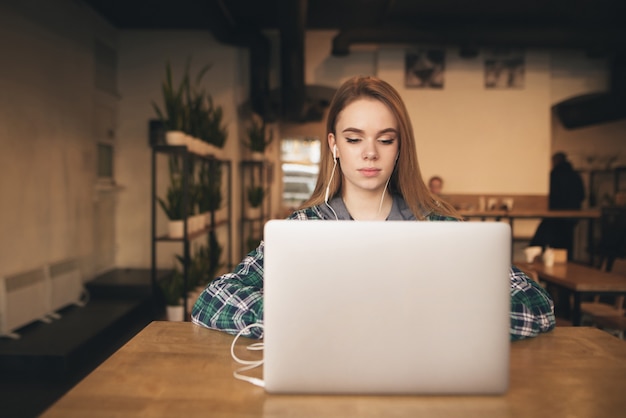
386	307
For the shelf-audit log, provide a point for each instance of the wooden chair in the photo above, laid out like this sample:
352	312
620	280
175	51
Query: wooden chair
612	324
598	309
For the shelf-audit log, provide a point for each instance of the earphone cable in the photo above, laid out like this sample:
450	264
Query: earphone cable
249	364
332	175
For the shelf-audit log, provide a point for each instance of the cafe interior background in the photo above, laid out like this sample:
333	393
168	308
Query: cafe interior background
79	78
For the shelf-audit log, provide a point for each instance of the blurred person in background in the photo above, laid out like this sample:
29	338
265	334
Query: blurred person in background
567	192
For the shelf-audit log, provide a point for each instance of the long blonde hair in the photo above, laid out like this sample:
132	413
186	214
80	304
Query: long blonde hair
406	178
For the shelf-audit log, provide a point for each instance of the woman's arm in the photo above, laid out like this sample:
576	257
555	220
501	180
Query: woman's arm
532	309
235	300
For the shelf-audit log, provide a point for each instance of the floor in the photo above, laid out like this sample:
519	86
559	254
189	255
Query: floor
49	359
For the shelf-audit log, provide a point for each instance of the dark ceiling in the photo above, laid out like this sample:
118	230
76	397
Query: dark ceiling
598	25
595	26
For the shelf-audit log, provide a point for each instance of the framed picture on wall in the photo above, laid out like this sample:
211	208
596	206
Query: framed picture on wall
424	68
504	69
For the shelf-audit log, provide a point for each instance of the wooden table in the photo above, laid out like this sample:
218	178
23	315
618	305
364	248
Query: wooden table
532	214
578	279
177	369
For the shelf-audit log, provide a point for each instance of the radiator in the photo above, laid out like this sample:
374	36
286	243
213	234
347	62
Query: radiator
65	286
24	298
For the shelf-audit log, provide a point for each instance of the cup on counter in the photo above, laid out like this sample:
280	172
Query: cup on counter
548	257
532	253
507	203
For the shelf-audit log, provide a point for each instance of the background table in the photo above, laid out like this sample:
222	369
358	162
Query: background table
578	279
177	369
584	214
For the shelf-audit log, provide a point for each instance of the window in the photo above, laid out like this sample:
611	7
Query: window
300	159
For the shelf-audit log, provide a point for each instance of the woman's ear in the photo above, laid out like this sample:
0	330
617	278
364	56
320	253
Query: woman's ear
332	144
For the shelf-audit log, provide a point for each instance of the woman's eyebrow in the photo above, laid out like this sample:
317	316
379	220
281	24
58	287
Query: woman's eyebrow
360	131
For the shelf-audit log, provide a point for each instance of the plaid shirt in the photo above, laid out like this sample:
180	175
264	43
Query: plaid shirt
235	300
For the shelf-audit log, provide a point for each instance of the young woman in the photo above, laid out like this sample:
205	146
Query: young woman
368	171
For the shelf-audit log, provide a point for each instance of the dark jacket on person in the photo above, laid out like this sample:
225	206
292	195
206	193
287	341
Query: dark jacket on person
566	187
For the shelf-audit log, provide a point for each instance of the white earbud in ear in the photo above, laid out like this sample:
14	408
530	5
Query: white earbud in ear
335	152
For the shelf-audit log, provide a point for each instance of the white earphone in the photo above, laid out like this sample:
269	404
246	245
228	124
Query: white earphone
335	153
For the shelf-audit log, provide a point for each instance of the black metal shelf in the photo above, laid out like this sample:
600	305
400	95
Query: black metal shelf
259	173
188	159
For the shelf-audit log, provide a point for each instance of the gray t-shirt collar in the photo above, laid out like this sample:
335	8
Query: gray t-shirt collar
399	210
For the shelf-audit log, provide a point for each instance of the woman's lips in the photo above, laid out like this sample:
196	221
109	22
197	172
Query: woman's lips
369	172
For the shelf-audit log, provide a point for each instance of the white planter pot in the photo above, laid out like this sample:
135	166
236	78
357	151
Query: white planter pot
214	151
195	294
198	147
175	313
199	221
175	138
176	229
254	213
257	156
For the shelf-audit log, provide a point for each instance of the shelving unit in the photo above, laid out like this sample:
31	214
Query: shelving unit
603	185
188	160
257	173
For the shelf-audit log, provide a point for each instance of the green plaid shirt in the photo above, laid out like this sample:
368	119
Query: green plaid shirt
235	300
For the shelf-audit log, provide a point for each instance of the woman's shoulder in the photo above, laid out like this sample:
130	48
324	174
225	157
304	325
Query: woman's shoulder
306	214
439	217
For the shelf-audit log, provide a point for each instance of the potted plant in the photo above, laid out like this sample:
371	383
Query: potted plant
173	203
196	272
252	242
258	140
174	116
213	131
210	189
214	255
255	196
172	289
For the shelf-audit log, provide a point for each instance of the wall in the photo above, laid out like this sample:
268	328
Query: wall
46	136
574	74
143	55
480	141
465	133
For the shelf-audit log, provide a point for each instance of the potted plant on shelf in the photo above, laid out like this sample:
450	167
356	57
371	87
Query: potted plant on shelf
258	140
213	131
214	256
174	116
196	273
172	289
210	189
173	203
255	200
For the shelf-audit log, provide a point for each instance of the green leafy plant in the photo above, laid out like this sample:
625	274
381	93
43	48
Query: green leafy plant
195	99
252	243
214	255
210	186
198	267
257	139
175	115
172	288
173	204
213	130
255	196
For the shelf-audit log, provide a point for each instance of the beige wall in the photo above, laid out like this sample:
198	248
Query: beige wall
142	68
46	133
480	141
